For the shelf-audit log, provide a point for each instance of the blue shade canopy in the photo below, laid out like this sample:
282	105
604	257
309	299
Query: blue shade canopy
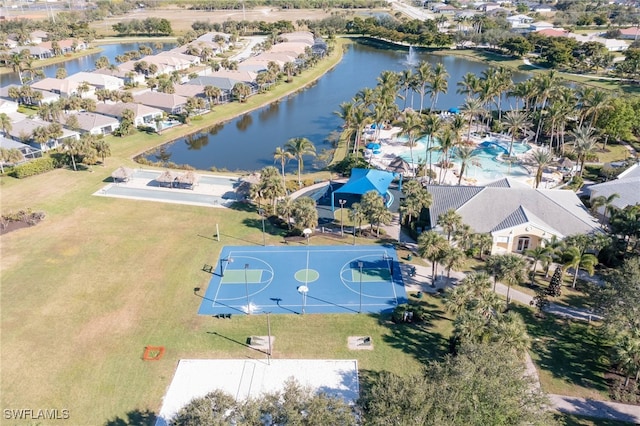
365	180
373	145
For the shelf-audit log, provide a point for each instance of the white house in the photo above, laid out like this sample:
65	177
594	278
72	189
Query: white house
99	81
22	131
96	124
143	115
626	185
541	25
519	21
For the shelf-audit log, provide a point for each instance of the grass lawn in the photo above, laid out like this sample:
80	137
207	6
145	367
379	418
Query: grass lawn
99	279
570	355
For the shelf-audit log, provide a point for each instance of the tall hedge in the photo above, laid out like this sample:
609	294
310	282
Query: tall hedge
34	167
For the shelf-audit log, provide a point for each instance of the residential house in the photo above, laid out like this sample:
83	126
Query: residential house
541	25
8	107
96	124
517	217
62	87
488	7
191	91
28	152
297	37
292	48
129	77
444	9
98	81
143	115
35	52
225	80
520	21
632	33
22	131
543	8
169	103
66	46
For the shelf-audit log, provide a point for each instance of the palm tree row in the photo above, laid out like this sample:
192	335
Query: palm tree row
543	106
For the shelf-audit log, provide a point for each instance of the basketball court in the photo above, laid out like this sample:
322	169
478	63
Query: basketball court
304	279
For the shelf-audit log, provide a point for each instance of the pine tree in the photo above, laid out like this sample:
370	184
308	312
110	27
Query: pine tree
555	288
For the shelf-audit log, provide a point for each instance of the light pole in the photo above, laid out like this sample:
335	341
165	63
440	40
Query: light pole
354	227
303	290
264	240
228	260
269	338
341	212
360	267
246	287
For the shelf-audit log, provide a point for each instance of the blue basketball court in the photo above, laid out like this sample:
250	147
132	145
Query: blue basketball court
309	279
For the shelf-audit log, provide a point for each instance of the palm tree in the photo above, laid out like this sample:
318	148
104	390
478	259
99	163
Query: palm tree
5	123
9	156
511	332
511	271
468	85
464	154
573	257
447	142
298	148
437	84
584	144
606	202
432	126
472	108
285	208
541	157
357	215
453	258
627	354
283	156
410	126
484	242
422	76
103	149
537	254
415	199
432	246
241	91
515	121
449	221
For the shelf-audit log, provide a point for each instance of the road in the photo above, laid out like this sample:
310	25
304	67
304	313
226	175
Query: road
411	11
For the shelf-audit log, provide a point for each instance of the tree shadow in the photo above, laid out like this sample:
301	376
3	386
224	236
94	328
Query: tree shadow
135	417
569	350
419	339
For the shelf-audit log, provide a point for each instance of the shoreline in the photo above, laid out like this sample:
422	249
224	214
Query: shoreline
57	60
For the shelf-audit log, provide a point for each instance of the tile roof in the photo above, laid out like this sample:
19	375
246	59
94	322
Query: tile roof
491	208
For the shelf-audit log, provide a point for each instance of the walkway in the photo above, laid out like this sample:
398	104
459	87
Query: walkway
566	404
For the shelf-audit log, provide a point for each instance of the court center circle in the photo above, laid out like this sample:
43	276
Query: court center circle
307	275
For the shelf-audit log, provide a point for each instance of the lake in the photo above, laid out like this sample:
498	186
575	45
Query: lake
87	63
247	143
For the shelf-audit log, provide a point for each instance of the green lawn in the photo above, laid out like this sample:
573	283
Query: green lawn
570	355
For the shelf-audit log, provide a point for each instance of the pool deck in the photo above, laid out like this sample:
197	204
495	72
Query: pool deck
210	191
391	147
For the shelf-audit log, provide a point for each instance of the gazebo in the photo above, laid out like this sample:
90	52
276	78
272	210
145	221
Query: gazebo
188	179
167	177
122	174
399	166
363	181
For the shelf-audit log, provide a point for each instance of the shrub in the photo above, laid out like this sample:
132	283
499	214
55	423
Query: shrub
34	167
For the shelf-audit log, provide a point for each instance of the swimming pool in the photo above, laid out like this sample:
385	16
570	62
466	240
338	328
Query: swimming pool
483	166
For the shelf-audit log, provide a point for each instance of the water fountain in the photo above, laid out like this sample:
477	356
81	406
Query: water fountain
412	59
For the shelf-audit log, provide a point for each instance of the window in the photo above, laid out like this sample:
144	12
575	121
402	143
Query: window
523	244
